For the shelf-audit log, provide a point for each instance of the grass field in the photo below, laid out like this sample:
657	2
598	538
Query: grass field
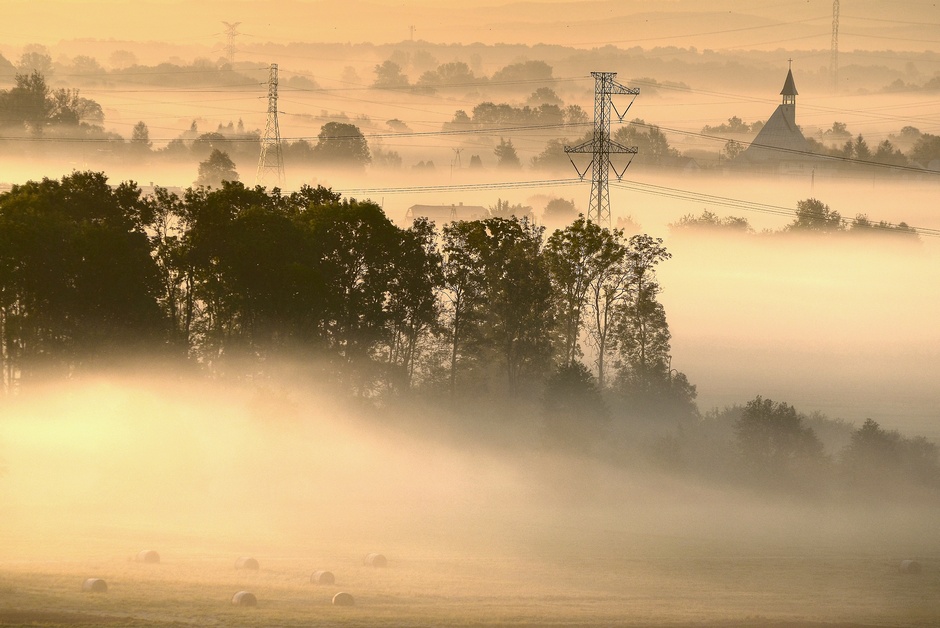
530	575
473	536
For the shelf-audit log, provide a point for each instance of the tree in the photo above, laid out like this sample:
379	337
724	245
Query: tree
78	284
732	149
412	303
499	294
574	257
862	225
860	149
216	169
523	72
26	104
574	414
606	295
774	445
462	293
710	220
882	461
353	245
651	143
642	332
553	157
140	139
388	75
504	209
926	149
887	153
506	156
560	211
519	304
574	114
544	95
343	145
455	74
35	59
812	215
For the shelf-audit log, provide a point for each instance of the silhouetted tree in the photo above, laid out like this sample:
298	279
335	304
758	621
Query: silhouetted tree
814	215
388	75
342	144
216	169
774	444
506	156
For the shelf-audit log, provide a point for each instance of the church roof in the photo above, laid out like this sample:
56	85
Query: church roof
777	138
789	87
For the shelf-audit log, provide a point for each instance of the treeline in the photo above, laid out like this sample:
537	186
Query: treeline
492	326
812	217
91	273
769	446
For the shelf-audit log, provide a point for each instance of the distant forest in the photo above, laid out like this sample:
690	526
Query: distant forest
44	101
491	323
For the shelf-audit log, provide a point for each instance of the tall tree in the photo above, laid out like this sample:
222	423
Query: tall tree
506	156
216	169
412	303
140	139
462	292
343	145
77	281
575	256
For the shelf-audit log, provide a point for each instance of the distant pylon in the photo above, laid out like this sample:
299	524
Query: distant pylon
271	163
231	31
600	146
834	51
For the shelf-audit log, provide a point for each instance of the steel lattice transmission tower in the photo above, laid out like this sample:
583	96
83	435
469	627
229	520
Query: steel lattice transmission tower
600	146
231	31
834	51
271	162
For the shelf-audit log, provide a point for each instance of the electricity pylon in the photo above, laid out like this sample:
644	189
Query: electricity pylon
271	161
231	31
600	146
834	51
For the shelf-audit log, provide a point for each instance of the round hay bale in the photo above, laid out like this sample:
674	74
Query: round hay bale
322	577
244	598
909	566
246	562
343	599
148	556
95	585
376	560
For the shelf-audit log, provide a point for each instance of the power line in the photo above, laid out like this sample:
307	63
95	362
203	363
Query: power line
634	186
752	206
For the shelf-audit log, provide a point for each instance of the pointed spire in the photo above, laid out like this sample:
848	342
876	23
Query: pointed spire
789	87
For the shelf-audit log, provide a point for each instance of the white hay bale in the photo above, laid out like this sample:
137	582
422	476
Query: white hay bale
909	566
375	560
95	585
244	598
148	556
246	562
343	599
322	577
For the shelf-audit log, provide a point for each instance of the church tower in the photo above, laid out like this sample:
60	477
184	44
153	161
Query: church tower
789	94
780	145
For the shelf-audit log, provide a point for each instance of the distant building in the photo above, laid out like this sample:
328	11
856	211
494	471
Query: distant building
779	146
440	214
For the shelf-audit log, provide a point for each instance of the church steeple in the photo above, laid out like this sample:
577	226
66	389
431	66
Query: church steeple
789	92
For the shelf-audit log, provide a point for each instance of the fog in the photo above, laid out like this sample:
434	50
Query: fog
99	469
482	518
